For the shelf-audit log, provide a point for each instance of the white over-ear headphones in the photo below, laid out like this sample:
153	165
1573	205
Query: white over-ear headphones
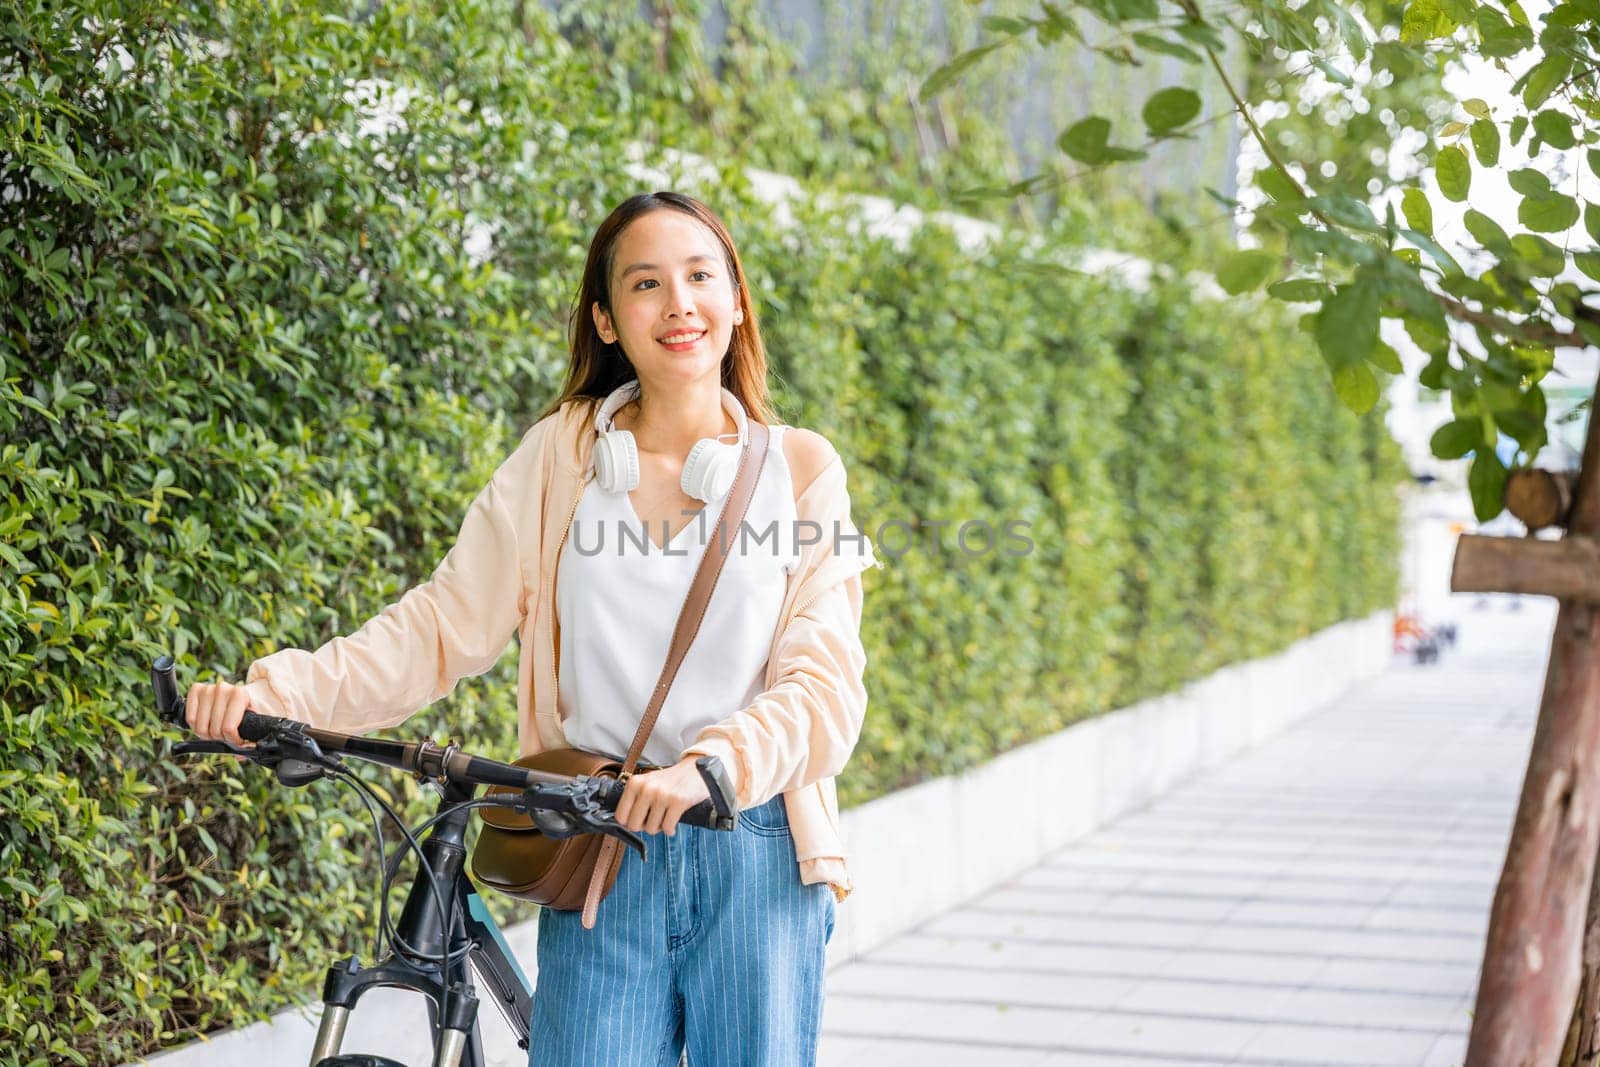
707	472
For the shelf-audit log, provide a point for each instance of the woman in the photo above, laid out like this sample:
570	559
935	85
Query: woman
717	943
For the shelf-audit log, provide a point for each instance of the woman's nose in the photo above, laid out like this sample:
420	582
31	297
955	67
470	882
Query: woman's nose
680	299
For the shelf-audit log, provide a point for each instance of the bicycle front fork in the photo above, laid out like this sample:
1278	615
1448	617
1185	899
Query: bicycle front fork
347	980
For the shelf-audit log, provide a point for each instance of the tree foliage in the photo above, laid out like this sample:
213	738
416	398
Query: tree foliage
1356	240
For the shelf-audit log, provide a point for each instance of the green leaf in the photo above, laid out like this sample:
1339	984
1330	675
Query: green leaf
1529	182
1245	270
1347	324
1276	184
1152	43
1453	172
1551	213
1487	482
1588	262
1543	79
1499	38
1475	107
1334	74
1423	21
1486	142
1445	261
1005	25
1299	290
1417	210
1350	31
945	76
1456	438
1356	386
1554	128
1523	428
1486	231
1385	358
1347	211
1543	258
1169	108
1085	140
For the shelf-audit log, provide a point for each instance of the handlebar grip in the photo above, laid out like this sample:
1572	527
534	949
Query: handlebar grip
164	676
255	727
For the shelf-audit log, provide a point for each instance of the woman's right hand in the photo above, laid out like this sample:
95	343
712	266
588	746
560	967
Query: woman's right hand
213	711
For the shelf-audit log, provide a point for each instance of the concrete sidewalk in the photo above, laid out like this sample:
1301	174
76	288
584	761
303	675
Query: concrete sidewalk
1320	900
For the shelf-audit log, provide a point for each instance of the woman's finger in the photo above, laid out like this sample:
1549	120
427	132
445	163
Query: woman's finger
197	709
630	795
238	702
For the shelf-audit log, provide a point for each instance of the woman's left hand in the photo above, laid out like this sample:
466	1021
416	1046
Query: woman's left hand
653	802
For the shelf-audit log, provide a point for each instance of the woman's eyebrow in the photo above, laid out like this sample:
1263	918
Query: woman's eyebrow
651	266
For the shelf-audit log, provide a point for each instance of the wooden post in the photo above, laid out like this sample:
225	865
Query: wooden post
1532	956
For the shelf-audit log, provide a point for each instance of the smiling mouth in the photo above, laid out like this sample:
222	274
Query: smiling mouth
682	339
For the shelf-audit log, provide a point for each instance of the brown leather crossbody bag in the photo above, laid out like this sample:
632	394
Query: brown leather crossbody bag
575	872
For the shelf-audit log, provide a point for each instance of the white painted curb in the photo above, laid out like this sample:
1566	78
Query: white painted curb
922	851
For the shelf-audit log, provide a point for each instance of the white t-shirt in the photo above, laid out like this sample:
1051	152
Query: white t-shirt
618	597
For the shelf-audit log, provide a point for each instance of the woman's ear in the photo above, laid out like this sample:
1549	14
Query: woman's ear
602	324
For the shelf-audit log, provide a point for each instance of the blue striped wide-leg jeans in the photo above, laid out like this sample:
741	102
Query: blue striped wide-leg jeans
713	945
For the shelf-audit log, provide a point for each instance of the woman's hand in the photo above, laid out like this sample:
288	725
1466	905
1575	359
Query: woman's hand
653	802
213	711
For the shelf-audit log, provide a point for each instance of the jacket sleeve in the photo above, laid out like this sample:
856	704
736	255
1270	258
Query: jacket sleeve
805	726
455	624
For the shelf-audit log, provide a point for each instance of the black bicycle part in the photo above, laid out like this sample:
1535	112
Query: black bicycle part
439	935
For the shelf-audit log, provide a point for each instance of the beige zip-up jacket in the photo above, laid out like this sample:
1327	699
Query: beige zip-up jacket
499	579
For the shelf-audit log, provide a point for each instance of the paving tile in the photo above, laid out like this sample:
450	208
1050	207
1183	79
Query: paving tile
1357	1009
1089	930
1258	1001
987	955
1122	1033
1401	976
836	1051
1278	969
1450	1050
1014	988
1338	1045
892	1018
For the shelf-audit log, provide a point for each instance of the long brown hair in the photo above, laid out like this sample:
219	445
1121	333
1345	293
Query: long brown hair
596	368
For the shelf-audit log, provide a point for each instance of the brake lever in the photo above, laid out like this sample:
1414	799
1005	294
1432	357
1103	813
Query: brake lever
211	748
300	761
576	809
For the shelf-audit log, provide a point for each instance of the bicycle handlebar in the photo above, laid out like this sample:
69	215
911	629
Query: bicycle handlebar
306	750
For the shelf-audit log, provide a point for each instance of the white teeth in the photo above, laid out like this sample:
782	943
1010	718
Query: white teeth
680	338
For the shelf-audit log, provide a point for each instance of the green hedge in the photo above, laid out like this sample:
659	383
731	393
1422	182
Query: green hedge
249	380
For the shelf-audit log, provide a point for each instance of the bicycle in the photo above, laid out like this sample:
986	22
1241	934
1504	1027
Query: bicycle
445	933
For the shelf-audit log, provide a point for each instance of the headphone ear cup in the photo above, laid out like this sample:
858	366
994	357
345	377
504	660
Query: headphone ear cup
709	470
616	461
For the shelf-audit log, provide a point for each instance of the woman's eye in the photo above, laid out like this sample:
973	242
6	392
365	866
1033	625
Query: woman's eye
696	273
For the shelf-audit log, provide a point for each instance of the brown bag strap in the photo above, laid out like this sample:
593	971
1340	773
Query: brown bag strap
689	619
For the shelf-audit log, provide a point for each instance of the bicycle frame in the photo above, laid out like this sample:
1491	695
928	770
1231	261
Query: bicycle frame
473	940
299	755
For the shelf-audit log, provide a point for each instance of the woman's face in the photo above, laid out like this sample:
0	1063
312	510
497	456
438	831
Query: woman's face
669	281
